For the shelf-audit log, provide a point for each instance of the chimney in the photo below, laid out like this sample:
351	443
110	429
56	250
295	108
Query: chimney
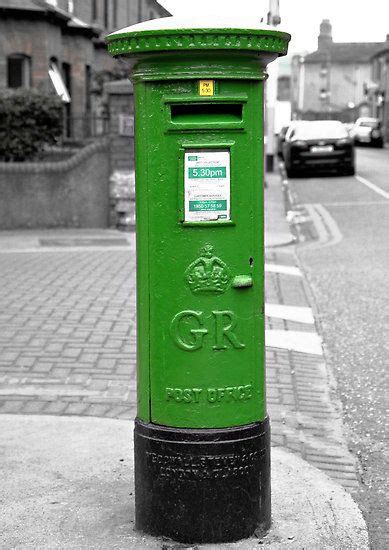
324	40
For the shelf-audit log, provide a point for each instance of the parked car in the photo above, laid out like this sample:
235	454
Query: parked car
319	144
369	131
349	126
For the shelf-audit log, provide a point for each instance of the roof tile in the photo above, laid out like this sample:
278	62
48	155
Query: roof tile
346	52
20	5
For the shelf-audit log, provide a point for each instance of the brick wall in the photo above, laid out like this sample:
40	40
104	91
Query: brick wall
71	193
346	85
37	39
124	11
42	39
143	10
83	10
133	12
153	10
128	11
78	51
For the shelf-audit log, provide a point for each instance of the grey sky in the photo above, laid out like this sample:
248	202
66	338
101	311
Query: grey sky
352	20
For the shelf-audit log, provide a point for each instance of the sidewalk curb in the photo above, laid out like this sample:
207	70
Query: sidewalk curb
274	201
278	240
68	482
290	202
65	240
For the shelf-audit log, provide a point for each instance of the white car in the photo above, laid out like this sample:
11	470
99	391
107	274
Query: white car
368	130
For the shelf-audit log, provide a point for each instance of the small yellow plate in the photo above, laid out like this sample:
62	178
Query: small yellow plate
206	87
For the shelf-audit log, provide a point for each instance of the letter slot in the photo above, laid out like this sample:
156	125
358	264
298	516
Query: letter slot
206	113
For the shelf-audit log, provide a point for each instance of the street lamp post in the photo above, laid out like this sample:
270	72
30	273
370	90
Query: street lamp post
301	84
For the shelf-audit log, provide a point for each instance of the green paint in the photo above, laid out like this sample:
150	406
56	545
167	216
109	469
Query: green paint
201	348
176	40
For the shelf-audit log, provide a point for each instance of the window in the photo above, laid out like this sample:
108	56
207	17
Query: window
61	85
71	6
106	14
66	90
18	71
88	88
88	122
67	77
95	14
115	14
52	2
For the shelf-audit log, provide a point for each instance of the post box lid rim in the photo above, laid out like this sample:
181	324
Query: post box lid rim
205	24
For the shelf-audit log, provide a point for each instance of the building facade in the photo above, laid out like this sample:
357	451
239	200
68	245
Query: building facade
331	81
58	46
378	93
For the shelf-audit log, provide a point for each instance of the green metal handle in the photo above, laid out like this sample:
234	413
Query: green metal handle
242	281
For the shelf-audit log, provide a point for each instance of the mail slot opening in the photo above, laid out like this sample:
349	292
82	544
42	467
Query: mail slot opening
206	113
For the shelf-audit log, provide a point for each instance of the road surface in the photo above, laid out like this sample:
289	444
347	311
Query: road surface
344	250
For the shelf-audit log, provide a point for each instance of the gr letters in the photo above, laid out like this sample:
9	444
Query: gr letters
190	330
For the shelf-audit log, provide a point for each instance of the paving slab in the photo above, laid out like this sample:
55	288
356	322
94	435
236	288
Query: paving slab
68	334
67	482
67	339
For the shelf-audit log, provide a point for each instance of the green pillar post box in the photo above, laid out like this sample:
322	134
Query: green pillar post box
202	443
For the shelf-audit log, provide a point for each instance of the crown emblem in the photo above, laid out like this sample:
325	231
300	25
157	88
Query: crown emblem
208	274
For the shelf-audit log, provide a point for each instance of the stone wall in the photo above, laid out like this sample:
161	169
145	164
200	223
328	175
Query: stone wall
68	193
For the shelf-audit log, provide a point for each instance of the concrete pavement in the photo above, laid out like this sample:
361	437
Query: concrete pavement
68	484
67	345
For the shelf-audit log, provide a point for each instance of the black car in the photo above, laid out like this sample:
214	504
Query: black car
318	145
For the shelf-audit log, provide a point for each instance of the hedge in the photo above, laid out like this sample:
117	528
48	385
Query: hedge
29	120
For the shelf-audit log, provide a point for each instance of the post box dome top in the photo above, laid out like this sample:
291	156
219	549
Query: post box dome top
205	33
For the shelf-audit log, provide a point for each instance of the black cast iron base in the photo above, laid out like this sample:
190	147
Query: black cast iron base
202	486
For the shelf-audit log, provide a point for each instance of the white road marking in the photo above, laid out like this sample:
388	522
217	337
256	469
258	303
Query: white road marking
355	203
373	186
284	269
335	233
304	342
290	313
